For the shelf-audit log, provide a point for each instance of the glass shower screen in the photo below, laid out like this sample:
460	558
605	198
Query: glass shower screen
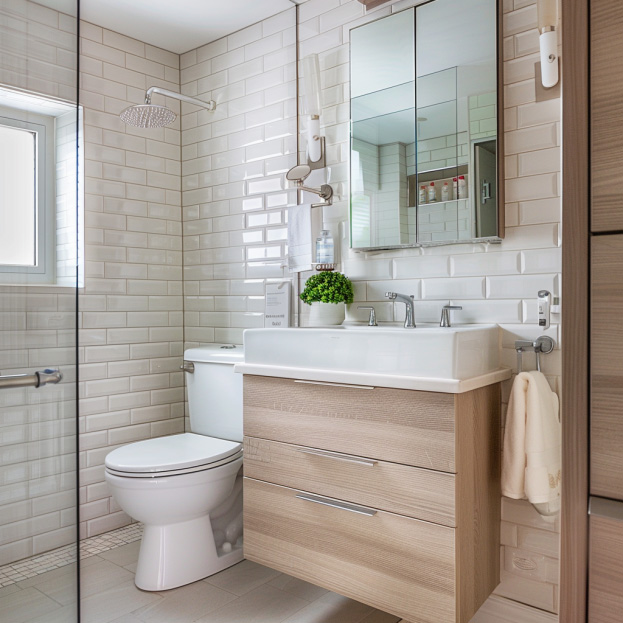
39	277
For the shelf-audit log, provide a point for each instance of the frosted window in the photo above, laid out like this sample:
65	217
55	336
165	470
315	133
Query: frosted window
18	192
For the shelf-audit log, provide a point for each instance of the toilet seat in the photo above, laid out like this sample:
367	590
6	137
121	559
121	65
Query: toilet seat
170	456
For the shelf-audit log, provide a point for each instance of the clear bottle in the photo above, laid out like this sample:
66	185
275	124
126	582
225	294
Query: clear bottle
432	196
462	187
455	187
325	248
422	195
445	192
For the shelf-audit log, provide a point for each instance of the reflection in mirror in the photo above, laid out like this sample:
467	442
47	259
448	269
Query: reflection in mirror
456	93
383	130
424	126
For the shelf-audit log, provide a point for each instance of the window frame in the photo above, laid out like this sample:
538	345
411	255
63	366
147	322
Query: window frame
44	271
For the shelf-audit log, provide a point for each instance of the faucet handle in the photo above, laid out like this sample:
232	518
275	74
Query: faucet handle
390	295
372	320
445	314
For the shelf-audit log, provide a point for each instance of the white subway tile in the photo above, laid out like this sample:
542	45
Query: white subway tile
464	288
520	286
504	263
532	187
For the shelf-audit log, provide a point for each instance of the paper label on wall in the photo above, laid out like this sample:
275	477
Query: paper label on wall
277	311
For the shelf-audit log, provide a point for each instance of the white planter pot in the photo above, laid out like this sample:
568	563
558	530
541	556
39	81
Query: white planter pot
323	314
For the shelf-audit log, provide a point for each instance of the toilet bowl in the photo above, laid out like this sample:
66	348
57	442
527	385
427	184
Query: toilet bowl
187	489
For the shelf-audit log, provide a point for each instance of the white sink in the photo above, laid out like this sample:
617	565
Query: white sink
456	353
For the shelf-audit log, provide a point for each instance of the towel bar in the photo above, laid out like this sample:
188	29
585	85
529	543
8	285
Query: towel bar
544	345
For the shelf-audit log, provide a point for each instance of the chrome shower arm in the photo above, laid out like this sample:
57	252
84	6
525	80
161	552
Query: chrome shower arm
211	105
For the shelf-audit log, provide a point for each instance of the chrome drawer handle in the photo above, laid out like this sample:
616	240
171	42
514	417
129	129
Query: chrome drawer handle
602	507
335	384
338	457
351	508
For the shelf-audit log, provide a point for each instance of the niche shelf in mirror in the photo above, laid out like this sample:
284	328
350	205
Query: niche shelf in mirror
438	177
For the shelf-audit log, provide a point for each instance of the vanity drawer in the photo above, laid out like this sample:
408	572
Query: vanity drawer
397	425
399	565
401	489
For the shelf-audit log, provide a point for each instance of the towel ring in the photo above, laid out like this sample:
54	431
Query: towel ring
542	345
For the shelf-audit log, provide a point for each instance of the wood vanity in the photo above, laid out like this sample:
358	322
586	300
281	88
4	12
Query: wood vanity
388	496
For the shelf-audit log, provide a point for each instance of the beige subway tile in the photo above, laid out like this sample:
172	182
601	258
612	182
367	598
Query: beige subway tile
144	415
532	187
102	52
531	139
121	42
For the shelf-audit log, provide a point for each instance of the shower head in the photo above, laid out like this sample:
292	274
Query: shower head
150	115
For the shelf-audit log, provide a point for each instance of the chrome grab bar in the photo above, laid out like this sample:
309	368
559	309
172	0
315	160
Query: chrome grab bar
38	379
343	506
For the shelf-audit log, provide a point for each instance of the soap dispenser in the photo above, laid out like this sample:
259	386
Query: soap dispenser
325	248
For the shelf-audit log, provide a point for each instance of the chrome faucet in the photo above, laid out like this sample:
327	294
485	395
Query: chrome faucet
408	301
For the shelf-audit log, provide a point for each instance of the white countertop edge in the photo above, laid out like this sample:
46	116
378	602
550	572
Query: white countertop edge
446	386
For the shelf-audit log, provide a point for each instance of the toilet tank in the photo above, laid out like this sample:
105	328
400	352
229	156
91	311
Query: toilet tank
215	391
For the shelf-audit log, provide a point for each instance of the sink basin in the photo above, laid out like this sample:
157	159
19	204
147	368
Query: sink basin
457	353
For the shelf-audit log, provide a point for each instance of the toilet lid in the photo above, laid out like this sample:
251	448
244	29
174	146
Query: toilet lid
165	454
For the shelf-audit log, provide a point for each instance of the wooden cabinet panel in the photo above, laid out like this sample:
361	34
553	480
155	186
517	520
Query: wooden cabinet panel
397	425
401	489
607	367
606	114
382	560
605	587
397	564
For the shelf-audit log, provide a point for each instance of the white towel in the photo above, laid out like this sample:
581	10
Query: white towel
300	238
531	466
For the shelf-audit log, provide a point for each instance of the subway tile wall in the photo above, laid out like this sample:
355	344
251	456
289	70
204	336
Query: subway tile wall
235	199
131	387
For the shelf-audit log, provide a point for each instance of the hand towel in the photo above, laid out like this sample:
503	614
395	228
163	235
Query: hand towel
531	466
300	238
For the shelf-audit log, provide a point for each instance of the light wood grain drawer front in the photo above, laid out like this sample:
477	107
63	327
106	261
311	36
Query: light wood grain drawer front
396	425
399	565
606	114
401	489
607	367
605	594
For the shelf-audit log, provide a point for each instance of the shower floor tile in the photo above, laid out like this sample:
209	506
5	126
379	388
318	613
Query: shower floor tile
63	556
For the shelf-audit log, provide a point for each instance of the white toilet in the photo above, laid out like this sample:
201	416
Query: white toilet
187	489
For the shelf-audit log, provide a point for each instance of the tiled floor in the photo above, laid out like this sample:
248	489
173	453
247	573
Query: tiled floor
245	593
36	565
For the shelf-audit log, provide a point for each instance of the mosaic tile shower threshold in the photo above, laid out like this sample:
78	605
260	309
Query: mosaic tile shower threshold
36	565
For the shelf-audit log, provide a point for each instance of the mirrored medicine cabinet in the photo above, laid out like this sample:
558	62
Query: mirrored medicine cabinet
425	140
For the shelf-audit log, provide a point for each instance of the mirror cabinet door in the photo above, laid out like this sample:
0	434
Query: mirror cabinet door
382	131
424	162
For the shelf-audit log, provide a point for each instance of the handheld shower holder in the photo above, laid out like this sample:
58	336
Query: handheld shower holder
299	174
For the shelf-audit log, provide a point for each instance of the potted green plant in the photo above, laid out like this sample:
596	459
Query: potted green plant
327	292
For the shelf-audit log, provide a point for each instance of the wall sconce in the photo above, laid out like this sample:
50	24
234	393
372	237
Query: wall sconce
312	106
548	41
